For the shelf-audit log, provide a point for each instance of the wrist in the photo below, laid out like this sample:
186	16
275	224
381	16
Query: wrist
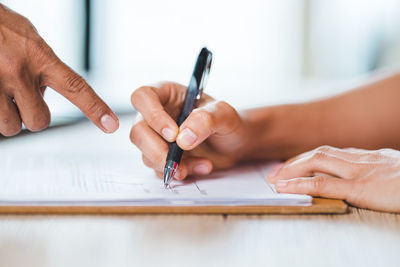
256	123
279	132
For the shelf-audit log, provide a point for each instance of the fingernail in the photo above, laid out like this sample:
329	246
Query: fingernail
275	170
281	183
202	169
109	123
186	138
168	134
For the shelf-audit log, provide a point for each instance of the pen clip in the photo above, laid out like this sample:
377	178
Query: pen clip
204	76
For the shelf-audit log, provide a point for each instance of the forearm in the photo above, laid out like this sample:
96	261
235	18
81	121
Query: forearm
367	117
279	132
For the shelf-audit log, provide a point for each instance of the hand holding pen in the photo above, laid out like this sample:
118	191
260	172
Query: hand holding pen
213	136
193	94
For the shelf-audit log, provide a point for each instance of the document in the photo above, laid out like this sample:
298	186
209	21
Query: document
121	179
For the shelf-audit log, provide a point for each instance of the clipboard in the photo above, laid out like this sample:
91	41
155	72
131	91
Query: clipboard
319	206
97	188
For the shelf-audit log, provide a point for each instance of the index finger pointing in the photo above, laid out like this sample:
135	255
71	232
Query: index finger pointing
73	87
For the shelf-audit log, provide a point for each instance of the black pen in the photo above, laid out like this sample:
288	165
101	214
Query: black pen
195	88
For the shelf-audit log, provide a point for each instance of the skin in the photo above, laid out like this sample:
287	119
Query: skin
208	147
216	136
364	178
27	66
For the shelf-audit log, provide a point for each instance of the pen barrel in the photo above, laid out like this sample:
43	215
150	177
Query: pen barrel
193	93
174	153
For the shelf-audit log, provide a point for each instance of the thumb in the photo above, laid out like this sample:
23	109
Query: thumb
213	118
72	86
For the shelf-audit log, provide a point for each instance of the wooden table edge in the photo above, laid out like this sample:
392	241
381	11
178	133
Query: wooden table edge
319	206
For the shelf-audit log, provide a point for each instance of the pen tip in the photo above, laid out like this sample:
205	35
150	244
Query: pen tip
169	172
167	177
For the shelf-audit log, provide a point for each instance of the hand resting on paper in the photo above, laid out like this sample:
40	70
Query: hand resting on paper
364	178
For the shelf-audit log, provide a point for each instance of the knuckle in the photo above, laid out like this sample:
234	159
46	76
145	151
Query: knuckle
146	161
27	27
11	128
205	118
372	158
133	135
224	106
136	133
75	84
155	117
172	88
39	123
93	107
36	43
376	156
324	148
317	183
41	49
318	155
138	95
16	68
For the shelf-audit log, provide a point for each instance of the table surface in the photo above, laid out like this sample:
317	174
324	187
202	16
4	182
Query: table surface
359	238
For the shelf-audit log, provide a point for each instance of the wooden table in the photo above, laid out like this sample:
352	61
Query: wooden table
360	238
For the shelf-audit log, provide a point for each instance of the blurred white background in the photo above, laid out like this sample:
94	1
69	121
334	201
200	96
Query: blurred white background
265	52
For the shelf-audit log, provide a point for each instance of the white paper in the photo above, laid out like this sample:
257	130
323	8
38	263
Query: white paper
117	179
